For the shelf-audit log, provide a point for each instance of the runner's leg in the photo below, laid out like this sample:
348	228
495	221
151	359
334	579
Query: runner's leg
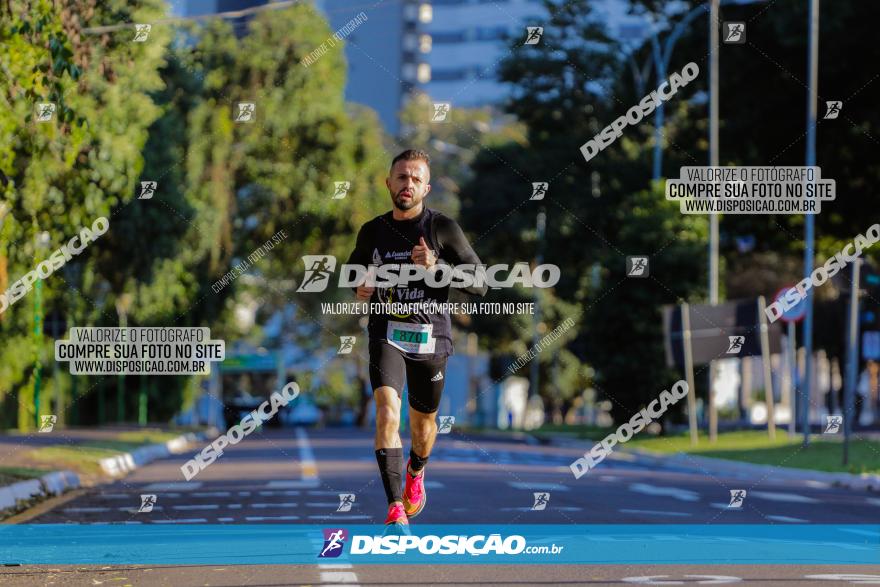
386	376
426	380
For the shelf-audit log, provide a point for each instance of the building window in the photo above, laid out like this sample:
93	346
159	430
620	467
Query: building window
425	43
449	75
448	37
424	73
426	14
491	33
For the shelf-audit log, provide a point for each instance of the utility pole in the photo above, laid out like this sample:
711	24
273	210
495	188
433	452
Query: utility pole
539	259
714	23
123	303
42	243
852	360
809	219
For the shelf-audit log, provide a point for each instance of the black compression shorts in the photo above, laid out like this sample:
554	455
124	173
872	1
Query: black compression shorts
425	379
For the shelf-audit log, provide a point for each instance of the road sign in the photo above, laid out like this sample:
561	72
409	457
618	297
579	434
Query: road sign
712	331
794	314
871	345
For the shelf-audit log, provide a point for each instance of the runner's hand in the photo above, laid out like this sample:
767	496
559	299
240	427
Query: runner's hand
423	255
364	292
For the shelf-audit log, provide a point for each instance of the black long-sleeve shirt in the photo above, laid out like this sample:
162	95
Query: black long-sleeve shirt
384	240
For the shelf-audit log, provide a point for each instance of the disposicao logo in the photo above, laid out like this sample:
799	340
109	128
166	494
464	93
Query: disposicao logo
334	540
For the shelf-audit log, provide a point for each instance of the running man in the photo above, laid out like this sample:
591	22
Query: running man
409	348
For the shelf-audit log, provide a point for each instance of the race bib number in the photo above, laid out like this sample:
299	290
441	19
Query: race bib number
411	338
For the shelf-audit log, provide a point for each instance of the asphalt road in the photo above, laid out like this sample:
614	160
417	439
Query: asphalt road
295	477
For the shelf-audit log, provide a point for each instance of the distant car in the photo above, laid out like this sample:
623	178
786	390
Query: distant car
241	405
303	413
348	417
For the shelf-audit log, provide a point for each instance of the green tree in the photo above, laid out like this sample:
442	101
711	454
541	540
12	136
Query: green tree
566	89
64	173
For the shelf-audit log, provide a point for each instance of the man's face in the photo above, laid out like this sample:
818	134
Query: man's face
408	183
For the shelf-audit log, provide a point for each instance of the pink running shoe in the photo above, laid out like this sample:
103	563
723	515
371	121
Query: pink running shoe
414	495
396	515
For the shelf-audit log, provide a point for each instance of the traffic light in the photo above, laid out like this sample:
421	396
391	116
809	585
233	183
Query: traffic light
870	279
870	299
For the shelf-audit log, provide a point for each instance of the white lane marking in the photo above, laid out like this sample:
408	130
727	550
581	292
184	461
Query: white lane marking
337	566
286	493
726	506
178	485
609	478
338	578
538	486
705	580
234	506
201	506
225	519
322	504
434	485
87	510
873	501
784	497
559	508
286	504
326	492
853	578
264	518
817	484
786	519
346	517
655	513
211	494
244	493
307	463
129	510
131	522
181	521
674	492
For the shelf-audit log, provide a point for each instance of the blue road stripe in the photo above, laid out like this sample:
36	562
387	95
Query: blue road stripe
114	544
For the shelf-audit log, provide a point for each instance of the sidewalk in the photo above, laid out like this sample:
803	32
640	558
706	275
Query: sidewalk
718	466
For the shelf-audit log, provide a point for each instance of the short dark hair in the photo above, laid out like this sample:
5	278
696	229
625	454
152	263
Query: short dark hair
412	155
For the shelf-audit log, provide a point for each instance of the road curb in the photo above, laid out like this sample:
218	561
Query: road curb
58	482
122	464
54	483
863	482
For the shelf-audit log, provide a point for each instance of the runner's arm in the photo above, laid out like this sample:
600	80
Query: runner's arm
457	250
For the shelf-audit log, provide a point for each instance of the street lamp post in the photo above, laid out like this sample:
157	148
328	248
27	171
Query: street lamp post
539	259
714	10
123	302
809	220
663	56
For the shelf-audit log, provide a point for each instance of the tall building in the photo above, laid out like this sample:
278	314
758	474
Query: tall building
382	52
467	43
448	49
